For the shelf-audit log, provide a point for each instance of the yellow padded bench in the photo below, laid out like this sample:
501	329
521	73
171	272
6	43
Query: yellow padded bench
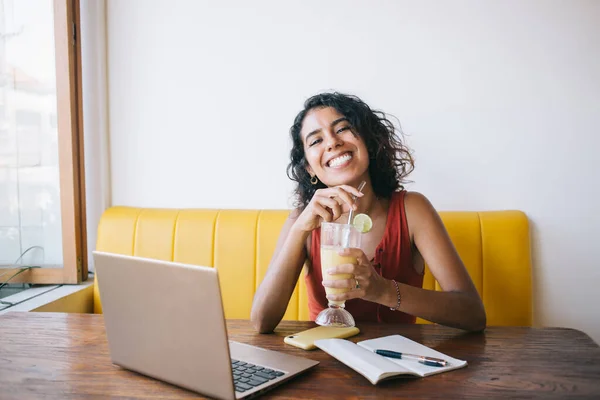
494	245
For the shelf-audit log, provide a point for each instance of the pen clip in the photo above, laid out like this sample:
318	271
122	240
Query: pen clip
429	361
435	360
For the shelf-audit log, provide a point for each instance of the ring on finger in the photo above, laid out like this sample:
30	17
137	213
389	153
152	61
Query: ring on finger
357	286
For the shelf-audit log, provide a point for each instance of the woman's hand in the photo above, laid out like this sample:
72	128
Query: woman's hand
326	205
371	285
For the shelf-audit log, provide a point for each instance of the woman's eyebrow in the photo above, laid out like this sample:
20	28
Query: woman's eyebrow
337	121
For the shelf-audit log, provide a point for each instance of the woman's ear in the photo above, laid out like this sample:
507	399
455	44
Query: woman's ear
310	171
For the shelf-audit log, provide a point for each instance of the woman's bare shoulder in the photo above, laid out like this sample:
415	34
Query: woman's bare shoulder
416	202
419	211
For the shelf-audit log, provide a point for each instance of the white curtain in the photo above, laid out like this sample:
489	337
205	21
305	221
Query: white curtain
95	117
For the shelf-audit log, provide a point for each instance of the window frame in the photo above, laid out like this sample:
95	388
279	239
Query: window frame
70	154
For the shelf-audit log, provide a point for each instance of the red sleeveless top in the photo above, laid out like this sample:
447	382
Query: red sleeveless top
393	260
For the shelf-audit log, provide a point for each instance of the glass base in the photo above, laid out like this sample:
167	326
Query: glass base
335	316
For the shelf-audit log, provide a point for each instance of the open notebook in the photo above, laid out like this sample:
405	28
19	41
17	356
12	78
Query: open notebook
362	358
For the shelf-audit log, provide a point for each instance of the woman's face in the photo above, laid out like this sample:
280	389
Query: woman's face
333	152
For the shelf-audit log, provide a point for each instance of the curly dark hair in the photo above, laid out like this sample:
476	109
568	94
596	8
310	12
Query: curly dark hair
390	161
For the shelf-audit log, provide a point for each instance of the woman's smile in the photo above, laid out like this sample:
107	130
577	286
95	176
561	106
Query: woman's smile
340	161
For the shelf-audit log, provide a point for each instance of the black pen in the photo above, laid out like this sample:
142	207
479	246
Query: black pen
430	361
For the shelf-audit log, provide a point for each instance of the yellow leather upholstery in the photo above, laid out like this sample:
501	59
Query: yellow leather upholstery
494	246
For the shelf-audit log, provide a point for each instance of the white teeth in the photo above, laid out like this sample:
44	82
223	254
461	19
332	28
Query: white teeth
340	160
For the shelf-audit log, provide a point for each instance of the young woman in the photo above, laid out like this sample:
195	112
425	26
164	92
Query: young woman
338	142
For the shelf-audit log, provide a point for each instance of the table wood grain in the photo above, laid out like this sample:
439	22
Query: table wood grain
65	356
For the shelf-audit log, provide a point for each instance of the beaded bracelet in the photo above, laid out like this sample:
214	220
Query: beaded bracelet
397	294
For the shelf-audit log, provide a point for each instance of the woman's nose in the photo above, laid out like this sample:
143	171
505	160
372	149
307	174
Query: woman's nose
333	142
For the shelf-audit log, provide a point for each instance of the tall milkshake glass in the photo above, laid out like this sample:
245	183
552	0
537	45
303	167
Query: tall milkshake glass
335	237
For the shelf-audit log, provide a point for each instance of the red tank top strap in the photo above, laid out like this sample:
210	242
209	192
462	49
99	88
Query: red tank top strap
405	242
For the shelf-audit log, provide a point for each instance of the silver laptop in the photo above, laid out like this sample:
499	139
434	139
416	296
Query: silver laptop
165	320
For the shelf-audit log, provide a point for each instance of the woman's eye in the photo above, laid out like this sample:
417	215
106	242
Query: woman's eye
342	129
315	142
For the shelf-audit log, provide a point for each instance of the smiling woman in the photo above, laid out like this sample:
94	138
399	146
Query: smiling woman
389	160
344	164
338	142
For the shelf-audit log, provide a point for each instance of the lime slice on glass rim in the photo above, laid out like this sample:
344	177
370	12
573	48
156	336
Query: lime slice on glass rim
362	223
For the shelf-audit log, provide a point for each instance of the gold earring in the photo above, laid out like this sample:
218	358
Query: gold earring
314	180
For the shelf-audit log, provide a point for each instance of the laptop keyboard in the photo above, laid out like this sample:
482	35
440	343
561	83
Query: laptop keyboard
246	376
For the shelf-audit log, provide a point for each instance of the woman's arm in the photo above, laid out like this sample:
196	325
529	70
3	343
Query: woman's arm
274	292
459	305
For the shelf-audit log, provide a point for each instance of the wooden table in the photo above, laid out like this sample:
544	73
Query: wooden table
60	356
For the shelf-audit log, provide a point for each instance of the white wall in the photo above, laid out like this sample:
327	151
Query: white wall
501	100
